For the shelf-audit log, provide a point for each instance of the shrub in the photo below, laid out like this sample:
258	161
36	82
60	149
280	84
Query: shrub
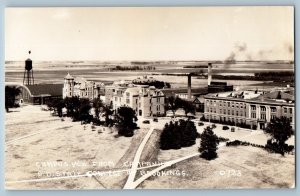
222	139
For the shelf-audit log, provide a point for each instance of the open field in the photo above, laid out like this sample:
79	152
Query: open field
258	168
34	137
42	152
236	167
54	72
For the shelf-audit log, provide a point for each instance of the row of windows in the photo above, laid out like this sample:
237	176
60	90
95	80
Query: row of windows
225	103
227	119
273	109
237	113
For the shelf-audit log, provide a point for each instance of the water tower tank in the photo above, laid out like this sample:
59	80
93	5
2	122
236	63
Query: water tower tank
28	64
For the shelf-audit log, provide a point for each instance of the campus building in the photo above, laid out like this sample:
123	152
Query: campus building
81	87
251	108
145	100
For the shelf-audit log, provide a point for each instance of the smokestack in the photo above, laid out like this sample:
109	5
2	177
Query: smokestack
189	87
209	76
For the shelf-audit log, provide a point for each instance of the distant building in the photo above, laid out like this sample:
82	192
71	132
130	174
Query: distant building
250	107
111	89
82	88
37	94
144	79
215	87
144	100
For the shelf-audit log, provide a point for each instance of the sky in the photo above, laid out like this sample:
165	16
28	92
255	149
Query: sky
157	33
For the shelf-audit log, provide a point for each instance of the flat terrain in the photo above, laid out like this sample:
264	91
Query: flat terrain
44	152
34	137
236	167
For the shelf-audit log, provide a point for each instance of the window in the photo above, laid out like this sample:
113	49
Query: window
158	99
221	103
291	110
228	112
262	108
127	101
116	98
273	109
224	111
211	110
228	104
127	94
291	119
232	112
285	110
232	105
253	115
273	116
207	102
253	107
237	105
215	111
221	111
263	116
237	113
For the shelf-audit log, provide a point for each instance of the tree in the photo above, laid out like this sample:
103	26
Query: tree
11	92
97	105
188	107
84	110
72	105
209	144
280	131
170	137
126	118
178	134
56	105
171	104
108	112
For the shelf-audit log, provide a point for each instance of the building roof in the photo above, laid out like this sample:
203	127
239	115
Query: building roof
69	77
277	97
195	91
51	89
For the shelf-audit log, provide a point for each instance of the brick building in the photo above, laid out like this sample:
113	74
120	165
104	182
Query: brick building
252	108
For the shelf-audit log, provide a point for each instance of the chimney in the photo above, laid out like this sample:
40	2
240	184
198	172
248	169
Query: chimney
209	76
189	87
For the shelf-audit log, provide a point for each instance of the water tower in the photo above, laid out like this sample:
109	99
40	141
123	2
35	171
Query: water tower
28	78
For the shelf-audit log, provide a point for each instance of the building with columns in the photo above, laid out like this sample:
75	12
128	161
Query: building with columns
252	108
81	87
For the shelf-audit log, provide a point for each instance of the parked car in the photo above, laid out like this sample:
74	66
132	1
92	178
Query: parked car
225	127
146	122
232	129
200	124
155	120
